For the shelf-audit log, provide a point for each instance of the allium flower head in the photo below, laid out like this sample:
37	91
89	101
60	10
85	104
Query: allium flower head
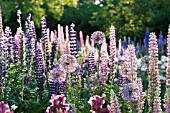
98	37
4	108
58	73
69	62
130	92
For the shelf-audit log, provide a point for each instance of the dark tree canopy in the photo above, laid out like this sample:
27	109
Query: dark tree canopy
131	18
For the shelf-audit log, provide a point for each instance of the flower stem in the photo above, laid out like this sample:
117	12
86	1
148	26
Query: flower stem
99	48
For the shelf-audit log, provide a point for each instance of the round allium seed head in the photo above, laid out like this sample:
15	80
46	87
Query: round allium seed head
98	37
68	62
130	92
58	73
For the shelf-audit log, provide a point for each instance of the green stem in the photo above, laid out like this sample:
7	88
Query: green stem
66	88
22	92
132	105
99	48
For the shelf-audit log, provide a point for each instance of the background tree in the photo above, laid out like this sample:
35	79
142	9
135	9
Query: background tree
38	8
129	17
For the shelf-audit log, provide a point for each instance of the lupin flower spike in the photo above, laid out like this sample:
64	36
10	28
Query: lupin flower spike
112	52
1	25
73	41
154	81
167	100
19	15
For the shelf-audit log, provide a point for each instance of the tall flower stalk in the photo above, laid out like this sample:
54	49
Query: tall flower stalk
4	65
114	102
154	77
131	91
91	63
103	63
1	26
167	101
98	38
131	65
28	43
44	41
73	41
39	72
112	52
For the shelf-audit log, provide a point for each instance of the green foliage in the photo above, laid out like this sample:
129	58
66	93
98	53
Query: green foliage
80	16
129	17
37	8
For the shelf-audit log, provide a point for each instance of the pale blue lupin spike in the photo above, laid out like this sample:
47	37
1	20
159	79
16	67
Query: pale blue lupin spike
129	41
160	39
137	48
146	39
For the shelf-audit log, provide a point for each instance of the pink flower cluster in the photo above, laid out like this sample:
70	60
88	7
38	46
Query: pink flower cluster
4	108
104	58
58	105
114	103
98	104
112	51
154	82
131	63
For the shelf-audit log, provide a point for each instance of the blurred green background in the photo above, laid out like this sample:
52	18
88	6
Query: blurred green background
130	17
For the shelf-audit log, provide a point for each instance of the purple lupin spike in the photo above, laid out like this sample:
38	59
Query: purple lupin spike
45	42
28	44
39	72
33	37
91	63
73	41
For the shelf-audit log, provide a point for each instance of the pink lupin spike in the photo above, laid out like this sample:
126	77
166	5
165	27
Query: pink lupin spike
81	39
67	33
